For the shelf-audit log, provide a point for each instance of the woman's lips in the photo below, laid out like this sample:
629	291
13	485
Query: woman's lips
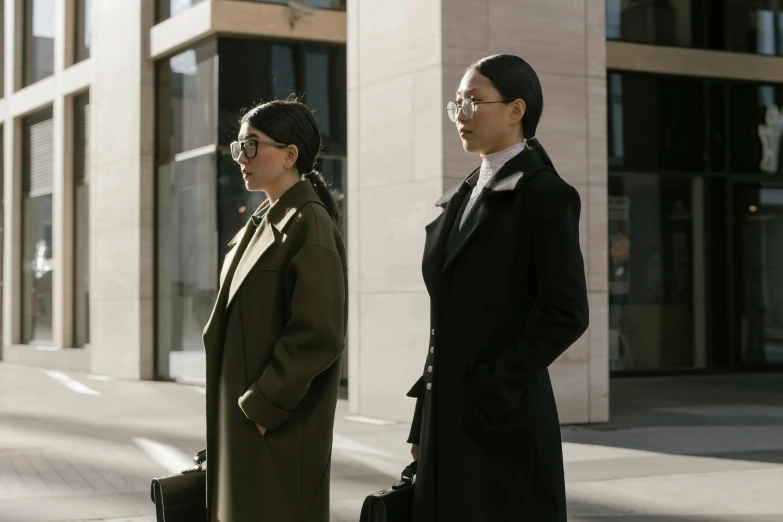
463	132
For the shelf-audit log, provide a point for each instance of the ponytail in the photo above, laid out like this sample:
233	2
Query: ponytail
325	195
534	144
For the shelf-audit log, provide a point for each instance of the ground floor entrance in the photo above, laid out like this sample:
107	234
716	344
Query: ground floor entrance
695	273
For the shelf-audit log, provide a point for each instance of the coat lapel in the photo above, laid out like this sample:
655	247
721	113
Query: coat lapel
270	231
438	231
508	179
229	267
263	238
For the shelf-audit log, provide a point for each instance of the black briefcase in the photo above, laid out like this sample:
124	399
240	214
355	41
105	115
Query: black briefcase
182	497
394	504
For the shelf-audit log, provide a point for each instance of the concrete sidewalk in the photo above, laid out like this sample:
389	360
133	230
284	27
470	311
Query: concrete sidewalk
75	447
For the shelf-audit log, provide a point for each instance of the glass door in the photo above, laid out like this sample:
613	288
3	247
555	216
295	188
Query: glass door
759	274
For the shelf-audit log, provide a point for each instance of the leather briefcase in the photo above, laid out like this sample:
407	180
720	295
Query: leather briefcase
394	504
182	497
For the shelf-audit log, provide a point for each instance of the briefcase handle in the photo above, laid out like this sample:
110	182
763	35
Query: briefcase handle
198	460
406	477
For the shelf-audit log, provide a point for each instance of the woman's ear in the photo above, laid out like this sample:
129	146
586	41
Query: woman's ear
518	108
291	155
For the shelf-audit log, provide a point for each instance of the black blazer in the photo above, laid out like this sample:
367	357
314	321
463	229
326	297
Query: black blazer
508	296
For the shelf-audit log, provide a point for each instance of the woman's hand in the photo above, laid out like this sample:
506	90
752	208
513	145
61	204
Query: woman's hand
261	429
415	451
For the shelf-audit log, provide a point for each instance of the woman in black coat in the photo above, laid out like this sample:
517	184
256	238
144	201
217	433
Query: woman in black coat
505	274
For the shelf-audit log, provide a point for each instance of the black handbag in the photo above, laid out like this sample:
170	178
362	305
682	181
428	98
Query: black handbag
394	504
182	497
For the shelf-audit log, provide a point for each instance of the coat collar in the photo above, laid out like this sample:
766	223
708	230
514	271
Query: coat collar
508	179
271	230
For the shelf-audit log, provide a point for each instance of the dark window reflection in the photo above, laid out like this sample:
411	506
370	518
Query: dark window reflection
187	249
201	198
83	29
314	72
659	22
746	26
186	196
717	127
760	259
652	266
187	86
39	34
37	265
754	26
655	123
37	270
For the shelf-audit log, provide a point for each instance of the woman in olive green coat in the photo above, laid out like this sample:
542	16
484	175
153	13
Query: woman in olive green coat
277	332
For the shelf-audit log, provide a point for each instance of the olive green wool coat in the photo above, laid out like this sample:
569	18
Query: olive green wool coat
273	346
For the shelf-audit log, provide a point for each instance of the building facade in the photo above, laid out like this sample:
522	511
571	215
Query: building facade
119	195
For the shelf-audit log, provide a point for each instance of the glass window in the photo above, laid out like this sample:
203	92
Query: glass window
187	102
201	199
655	224
186	198
665	132
659	22
39	33
38	166
187	251
760	259
717	127
83	31
746	26
283	79
81	224
316	72
754	135
754	26
169	8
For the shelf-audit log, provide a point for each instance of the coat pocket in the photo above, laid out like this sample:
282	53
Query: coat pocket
489	415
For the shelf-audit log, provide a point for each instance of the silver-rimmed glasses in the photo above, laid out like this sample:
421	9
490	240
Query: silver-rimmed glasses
468	108
250	147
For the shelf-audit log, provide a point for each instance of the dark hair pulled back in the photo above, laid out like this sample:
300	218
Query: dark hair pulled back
515	79
292	122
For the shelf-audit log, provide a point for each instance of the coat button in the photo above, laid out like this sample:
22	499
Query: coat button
432	349
429	369
433	332
429	385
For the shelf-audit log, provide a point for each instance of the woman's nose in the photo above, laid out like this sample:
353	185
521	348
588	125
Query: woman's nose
461	118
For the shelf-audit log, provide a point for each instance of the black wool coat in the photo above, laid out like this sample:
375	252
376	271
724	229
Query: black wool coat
508	296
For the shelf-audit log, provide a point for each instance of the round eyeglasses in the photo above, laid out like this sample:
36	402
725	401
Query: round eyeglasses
468	108
250	148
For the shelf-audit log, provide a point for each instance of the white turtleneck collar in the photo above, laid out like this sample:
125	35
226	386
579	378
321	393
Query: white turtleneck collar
491	163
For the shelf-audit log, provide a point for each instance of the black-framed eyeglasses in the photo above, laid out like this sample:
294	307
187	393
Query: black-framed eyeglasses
250	148
468	108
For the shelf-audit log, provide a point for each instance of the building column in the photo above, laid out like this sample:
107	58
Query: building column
62	195
406	59
12	170
122	190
